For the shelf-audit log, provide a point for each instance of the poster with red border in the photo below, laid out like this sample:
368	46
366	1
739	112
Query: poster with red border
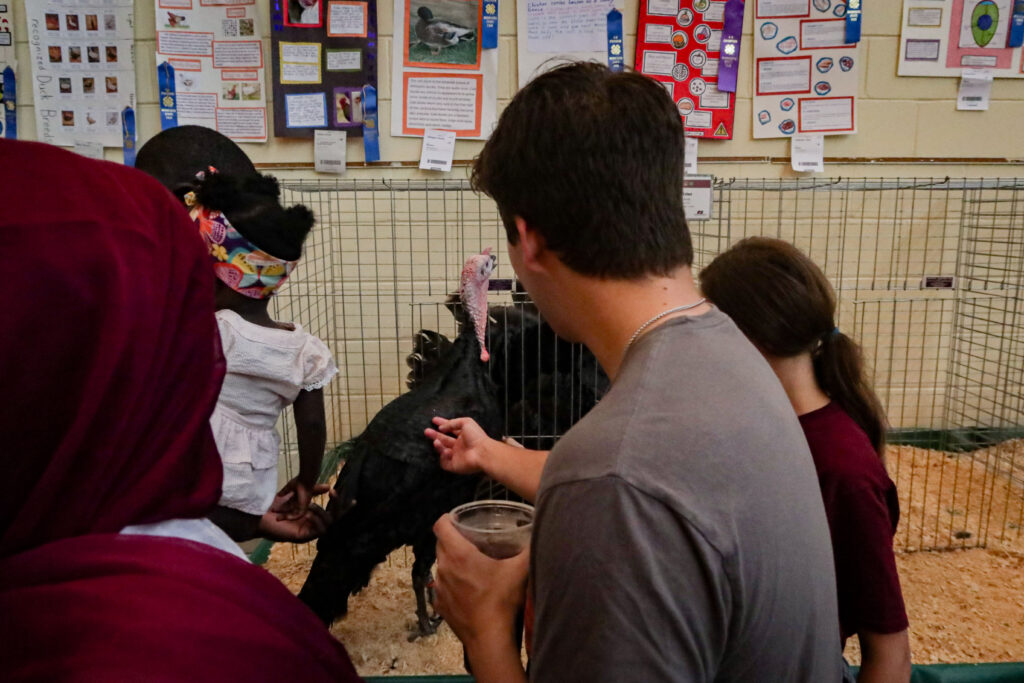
677	44
805	74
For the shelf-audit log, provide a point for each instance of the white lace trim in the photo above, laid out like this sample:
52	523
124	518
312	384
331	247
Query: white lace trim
322	383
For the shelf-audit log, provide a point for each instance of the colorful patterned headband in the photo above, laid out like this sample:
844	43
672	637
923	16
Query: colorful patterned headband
238	263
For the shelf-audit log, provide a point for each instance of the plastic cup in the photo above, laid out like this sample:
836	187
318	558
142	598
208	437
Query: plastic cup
498	528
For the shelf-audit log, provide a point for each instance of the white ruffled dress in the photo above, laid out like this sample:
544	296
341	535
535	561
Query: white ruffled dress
266	370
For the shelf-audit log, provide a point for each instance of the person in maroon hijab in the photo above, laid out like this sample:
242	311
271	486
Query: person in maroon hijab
110	366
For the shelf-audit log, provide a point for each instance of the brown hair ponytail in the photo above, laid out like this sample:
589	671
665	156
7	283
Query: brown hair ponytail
785	305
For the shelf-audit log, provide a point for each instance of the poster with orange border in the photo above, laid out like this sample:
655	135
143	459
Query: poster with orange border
442	79
806	77
216	51
944	37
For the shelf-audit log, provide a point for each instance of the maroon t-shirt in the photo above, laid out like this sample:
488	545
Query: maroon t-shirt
862	510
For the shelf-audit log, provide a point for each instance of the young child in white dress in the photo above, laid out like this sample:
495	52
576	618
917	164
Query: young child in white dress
255	244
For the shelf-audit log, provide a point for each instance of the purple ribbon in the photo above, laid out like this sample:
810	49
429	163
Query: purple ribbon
729	56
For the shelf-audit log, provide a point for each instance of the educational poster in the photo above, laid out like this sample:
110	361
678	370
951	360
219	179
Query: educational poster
324	53
8	71
442	78
805	75
83	68
214	67
944	37
678	43
552	32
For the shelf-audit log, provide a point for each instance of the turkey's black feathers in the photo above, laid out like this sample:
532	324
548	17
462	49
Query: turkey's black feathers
394	477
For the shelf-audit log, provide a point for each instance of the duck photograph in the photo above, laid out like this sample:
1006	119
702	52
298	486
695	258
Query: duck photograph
443	32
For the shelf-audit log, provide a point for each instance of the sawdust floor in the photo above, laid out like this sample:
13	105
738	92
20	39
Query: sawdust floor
964	605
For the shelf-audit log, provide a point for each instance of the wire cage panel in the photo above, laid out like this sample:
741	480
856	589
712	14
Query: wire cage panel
947	364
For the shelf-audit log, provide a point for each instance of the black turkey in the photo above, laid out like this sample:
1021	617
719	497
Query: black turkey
392	478
545	384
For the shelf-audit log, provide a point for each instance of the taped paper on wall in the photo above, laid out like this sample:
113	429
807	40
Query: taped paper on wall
947	36
83	70
805	74
210	62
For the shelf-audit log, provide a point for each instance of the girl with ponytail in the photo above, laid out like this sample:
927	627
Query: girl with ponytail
785	306
254	245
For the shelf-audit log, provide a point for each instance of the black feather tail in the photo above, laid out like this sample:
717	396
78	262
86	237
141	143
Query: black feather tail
337	574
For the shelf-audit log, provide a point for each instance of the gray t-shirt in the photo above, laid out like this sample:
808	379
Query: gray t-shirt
680	533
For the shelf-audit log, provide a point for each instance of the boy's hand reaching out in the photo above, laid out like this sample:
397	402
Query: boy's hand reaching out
461	443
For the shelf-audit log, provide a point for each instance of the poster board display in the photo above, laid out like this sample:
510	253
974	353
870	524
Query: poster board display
679	45
216	77
945	37
552	32
324	53
805	74
441	77
83	68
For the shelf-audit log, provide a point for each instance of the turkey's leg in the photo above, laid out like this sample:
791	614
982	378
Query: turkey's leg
424	553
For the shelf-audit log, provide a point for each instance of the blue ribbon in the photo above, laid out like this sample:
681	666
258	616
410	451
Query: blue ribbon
10	104
128	130
276	16
490	31
1016	37
168	100
615	50
853	17
371	133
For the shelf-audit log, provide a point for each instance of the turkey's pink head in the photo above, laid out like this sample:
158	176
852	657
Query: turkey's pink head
476	277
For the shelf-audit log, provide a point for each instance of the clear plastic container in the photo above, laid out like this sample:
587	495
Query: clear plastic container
499	528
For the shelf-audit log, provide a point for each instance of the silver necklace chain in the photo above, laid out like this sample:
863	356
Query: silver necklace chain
661	315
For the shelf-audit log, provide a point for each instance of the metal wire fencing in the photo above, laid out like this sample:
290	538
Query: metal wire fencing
928	274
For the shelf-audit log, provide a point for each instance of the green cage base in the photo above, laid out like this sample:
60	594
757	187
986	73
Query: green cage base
924	673
954	440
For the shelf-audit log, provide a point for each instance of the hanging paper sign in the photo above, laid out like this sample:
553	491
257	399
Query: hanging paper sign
371	130
732	29
10	101
615	62
682	47
83	69
853	19
577	30
168	104
218	66
128	132
805	73
490	25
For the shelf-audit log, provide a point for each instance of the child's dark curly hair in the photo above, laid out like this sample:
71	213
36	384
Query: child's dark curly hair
252	204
